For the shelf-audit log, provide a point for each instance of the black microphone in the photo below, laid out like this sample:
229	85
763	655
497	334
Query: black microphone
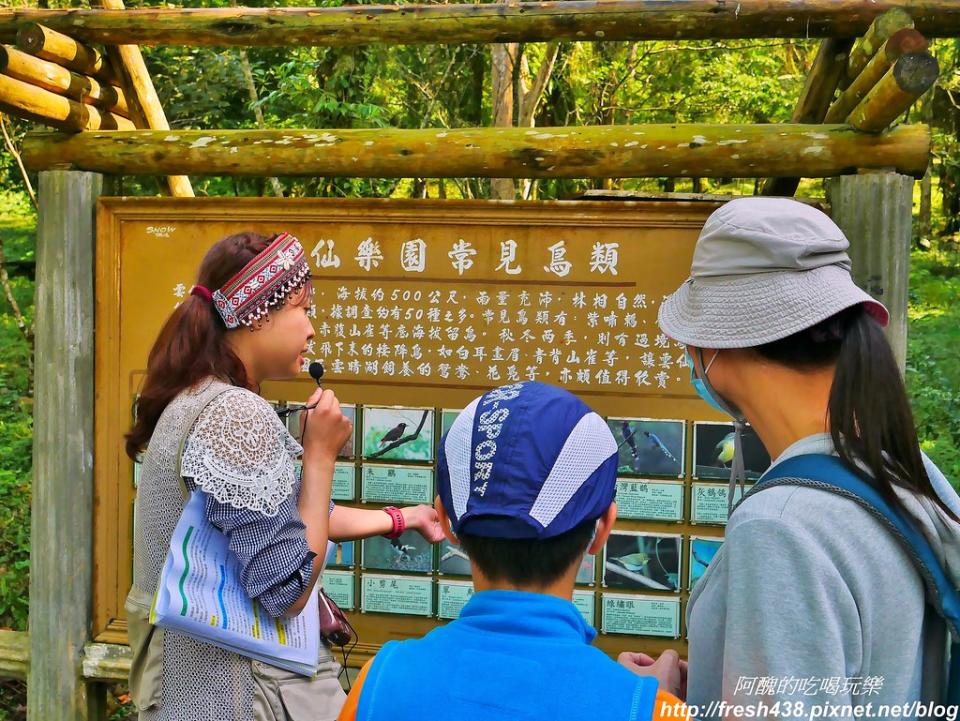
316	371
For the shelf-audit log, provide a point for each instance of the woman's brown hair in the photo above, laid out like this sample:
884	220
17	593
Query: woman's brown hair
192	344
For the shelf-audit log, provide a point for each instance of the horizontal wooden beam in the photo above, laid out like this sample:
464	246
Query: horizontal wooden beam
14	654
106	662
706	151
101	661
484	23
56	47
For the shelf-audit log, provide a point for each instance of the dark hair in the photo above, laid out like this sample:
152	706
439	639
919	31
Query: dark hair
528	562
192	344
869	411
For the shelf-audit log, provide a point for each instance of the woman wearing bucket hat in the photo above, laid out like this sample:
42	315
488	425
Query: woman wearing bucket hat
812	600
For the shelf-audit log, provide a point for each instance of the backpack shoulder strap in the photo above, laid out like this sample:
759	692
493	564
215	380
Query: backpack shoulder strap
830	473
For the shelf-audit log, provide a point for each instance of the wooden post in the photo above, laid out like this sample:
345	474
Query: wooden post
900	43
866	47
910	77
874	210
61	558
141	87
818	89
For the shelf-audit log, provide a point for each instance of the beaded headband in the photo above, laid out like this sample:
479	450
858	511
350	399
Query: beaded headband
263	283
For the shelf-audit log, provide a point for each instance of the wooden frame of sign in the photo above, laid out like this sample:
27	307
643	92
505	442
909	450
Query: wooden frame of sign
459	296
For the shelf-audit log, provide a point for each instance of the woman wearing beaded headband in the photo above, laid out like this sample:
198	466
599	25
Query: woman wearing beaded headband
200	424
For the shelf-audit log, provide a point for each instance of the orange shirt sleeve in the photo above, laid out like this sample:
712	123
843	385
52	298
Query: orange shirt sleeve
349	710
668	706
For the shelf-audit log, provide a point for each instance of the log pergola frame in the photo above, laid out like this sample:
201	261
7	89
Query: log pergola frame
872	171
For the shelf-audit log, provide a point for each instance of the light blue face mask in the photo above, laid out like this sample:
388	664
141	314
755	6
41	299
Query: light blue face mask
700	387
737	472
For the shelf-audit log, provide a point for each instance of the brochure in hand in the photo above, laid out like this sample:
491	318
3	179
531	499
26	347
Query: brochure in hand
200	595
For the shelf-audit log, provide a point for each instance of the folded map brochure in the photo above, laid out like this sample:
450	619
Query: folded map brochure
200	595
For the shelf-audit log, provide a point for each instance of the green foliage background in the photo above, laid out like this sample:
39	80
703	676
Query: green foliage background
440	86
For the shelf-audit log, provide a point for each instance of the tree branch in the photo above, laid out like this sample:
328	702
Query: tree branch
16	156
531	99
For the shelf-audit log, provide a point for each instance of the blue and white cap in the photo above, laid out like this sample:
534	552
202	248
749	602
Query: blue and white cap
528	460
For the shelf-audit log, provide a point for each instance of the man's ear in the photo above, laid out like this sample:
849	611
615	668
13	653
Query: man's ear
604	526
445	522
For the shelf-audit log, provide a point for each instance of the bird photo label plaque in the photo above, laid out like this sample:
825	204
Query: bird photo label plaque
586	603
648	500
396	484
405	595
640	615
452	596
344	482
339	585
710	504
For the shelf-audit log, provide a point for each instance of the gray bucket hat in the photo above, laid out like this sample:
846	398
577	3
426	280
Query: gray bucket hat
763	269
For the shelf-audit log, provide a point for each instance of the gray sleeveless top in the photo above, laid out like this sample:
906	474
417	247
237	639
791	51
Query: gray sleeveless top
234	448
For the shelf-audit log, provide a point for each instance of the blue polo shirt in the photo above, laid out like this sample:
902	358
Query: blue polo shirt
511	655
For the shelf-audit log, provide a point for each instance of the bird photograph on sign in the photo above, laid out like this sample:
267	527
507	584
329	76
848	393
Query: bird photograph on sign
295	429
587	573
409	552
713	447
649	447
642	562
398	434
447	417
454	560
341	555
702	552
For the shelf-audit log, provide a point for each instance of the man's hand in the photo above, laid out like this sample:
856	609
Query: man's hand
669	670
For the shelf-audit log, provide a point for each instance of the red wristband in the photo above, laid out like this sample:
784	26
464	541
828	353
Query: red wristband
399	525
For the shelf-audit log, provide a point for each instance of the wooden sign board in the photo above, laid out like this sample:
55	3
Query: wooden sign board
419	307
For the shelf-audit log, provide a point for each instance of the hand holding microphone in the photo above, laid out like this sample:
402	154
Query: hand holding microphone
324	427
316	372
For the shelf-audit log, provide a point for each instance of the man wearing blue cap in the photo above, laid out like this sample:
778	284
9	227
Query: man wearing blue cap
526	479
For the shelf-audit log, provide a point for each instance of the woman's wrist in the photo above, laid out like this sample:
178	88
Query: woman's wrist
319	461
398	521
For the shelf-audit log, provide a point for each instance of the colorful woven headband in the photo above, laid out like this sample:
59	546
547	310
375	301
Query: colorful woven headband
263	283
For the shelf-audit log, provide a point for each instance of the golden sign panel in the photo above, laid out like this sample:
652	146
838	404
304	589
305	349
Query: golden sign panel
419	306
